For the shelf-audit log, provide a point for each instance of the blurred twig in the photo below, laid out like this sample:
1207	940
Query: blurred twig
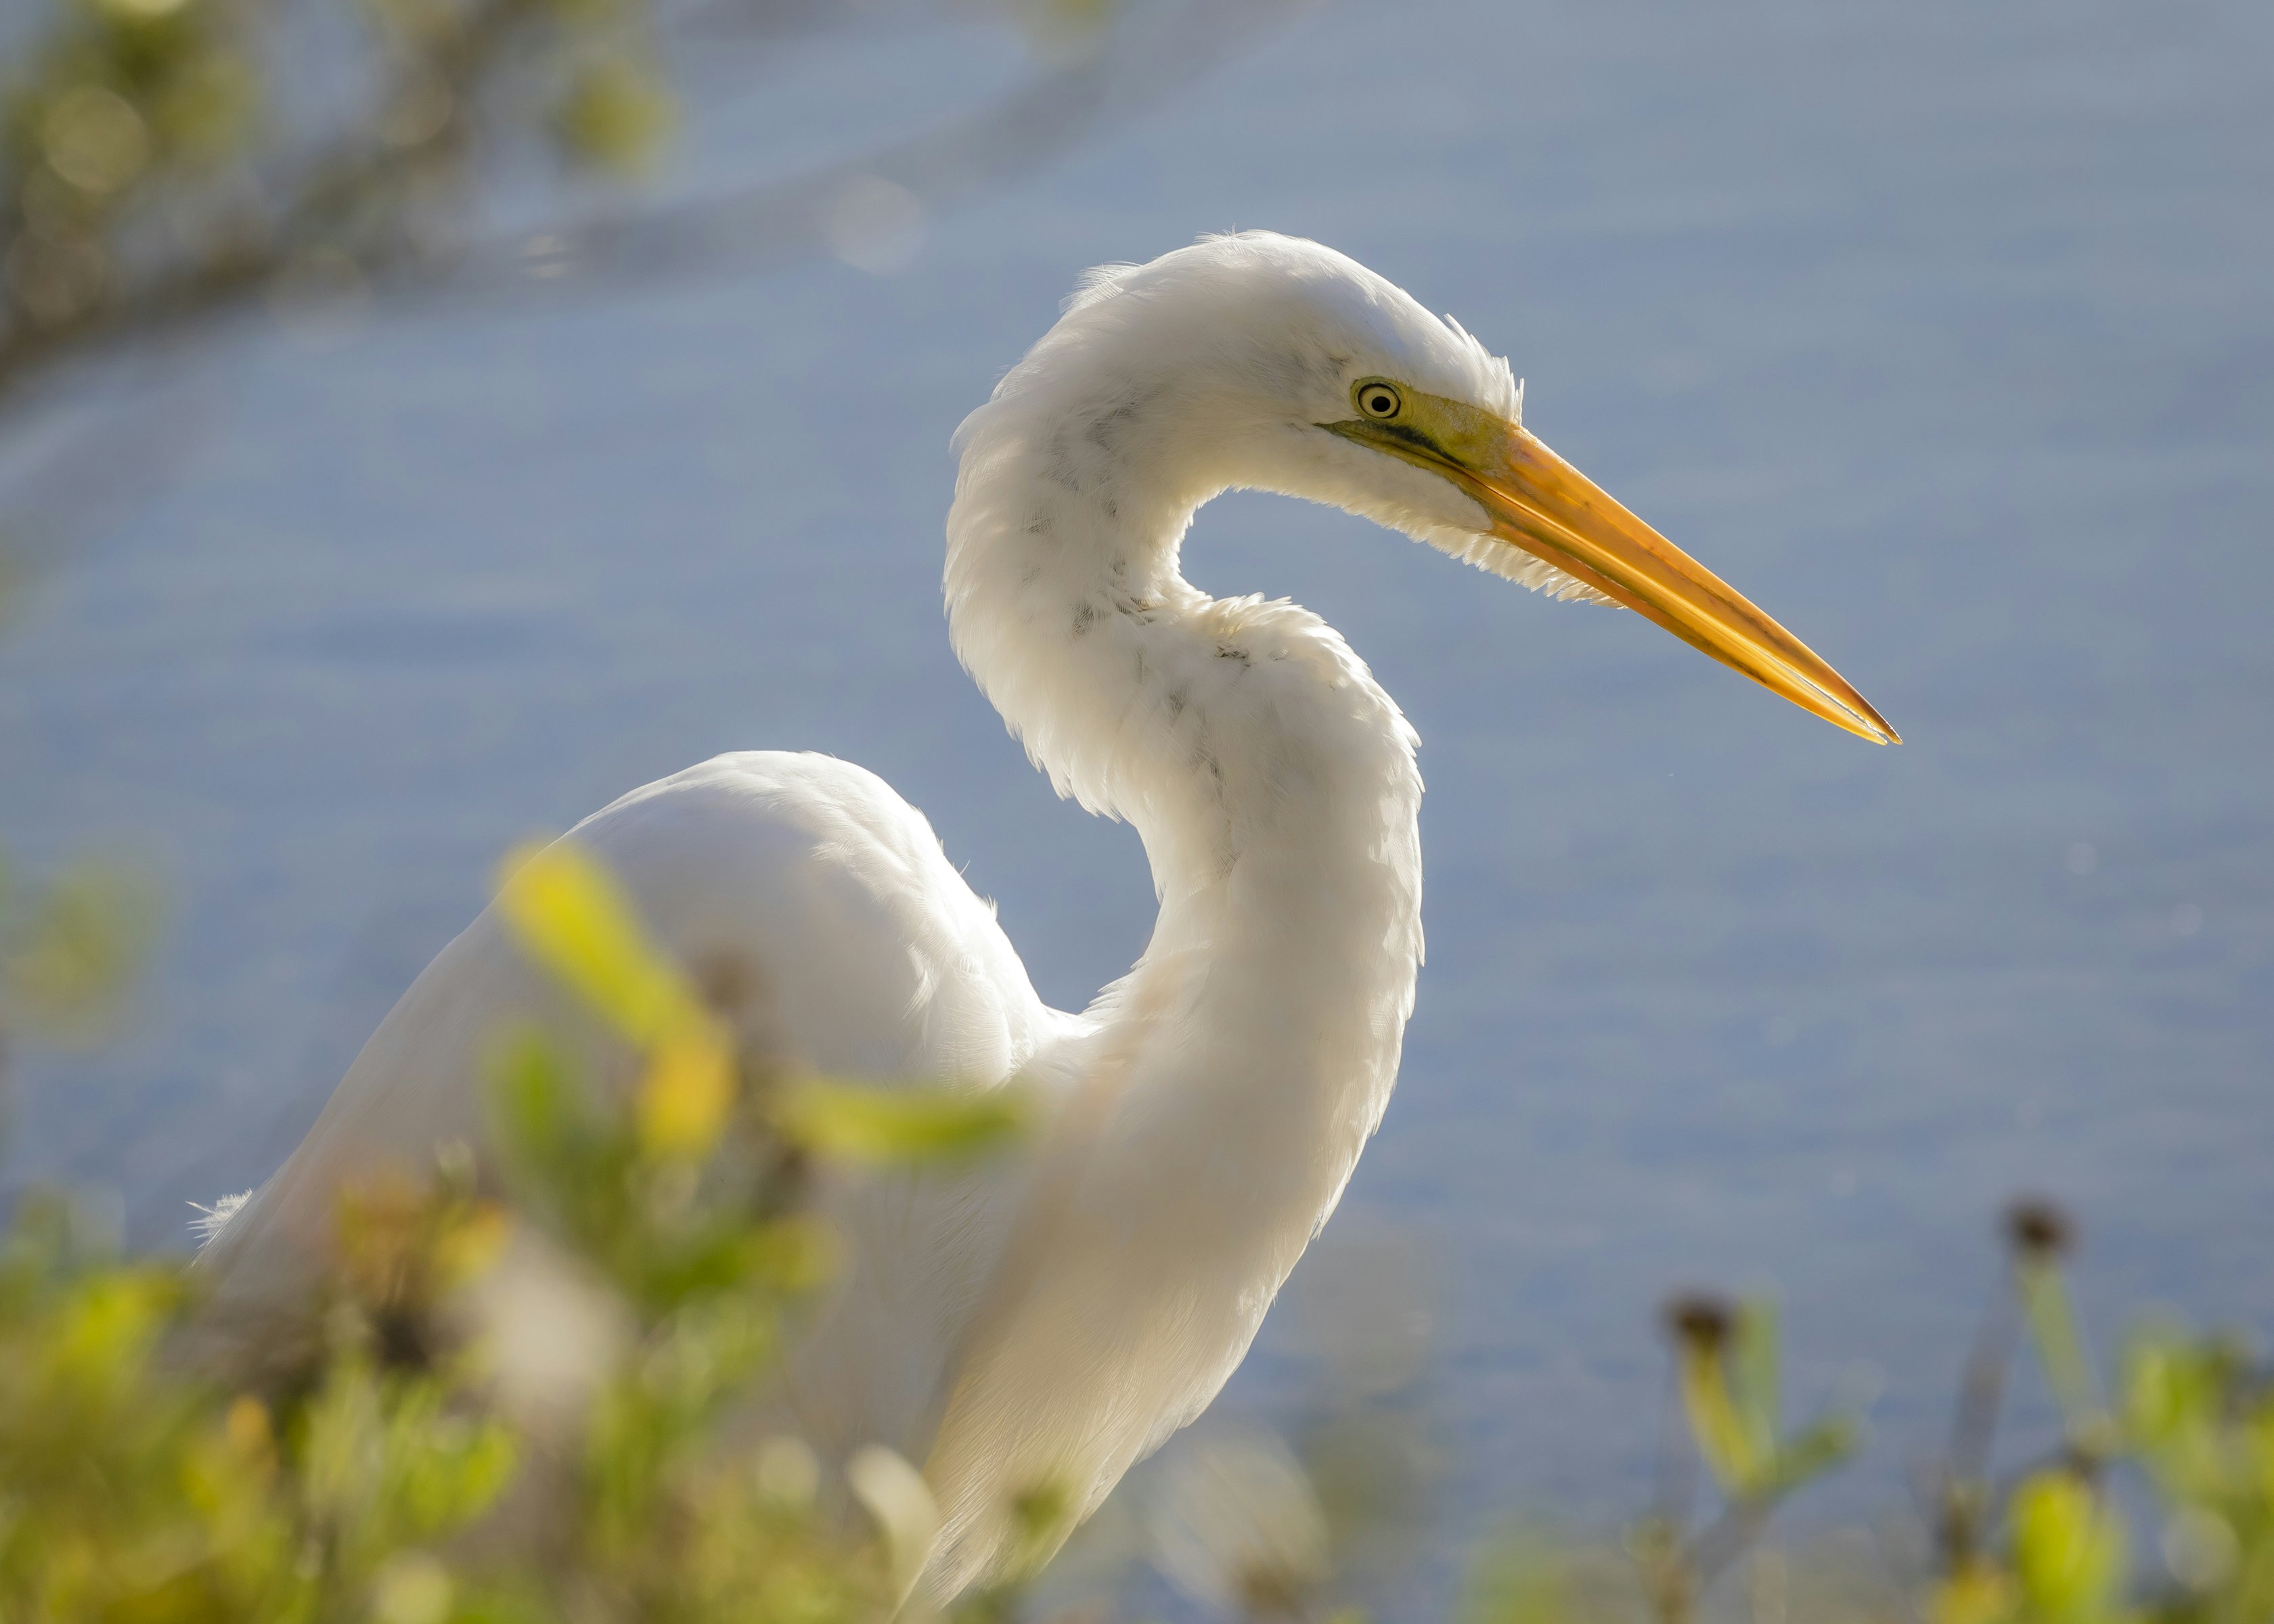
936	168
380	204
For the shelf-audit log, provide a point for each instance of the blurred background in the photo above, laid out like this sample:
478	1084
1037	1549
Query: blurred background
570	435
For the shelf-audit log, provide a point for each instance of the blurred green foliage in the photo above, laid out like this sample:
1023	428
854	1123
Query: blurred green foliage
1726	1362
69	948
164	162
2193	1429
536	1391
516	1408
154	169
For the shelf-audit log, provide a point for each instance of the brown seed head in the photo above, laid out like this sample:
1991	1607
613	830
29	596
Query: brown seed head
1699	1320
2038	1230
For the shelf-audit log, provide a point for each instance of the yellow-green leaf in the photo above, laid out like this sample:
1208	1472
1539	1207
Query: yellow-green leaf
569	914
684	1098
65	961
897	1125
2068	1547
617	116
1721	1433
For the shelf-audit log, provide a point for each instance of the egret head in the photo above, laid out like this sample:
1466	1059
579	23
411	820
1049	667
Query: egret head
1269	362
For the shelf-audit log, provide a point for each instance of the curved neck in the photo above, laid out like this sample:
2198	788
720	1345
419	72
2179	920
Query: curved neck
1246	743
1234	1074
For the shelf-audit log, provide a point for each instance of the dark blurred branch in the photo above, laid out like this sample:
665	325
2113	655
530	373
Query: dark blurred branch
365	200
937	169
377	208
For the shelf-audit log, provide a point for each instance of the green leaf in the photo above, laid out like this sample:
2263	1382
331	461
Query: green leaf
535	1111
898	1125
1812	1451
617	116
683	1100
68	956
2060	1350
1754	1375
2068	1549
1723	1439
568	913
1522	1578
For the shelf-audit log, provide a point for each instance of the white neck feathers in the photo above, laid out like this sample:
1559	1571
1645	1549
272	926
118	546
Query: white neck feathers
1241	1066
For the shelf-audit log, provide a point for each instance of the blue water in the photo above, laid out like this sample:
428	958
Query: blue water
1942	329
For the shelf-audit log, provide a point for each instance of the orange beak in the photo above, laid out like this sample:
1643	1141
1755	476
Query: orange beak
1541	503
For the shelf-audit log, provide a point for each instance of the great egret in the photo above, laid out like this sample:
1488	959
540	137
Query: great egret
1055	1319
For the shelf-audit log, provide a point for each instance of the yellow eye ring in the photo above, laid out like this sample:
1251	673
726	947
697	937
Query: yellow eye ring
1377	400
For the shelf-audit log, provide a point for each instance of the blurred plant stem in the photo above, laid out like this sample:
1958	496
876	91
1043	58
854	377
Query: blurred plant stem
1727	1381
2194	1422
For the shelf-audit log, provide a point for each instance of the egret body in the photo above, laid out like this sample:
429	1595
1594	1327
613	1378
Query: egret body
1054	1317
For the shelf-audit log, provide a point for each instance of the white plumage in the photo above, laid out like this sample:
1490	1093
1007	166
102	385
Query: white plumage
1054	1318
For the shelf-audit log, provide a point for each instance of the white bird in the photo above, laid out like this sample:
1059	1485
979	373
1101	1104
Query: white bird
1054	1318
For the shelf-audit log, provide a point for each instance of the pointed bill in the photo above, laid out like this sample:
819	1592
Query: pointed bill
1542	504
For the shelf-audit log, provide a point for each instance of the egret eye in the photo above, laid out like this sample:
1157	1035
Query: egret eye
1378	400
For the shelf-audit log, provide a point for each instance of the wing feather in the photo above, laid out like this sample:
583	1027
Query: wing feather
819	906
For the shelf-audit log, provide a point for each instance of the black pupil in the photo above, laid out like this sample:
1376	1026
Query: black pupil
1378	402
